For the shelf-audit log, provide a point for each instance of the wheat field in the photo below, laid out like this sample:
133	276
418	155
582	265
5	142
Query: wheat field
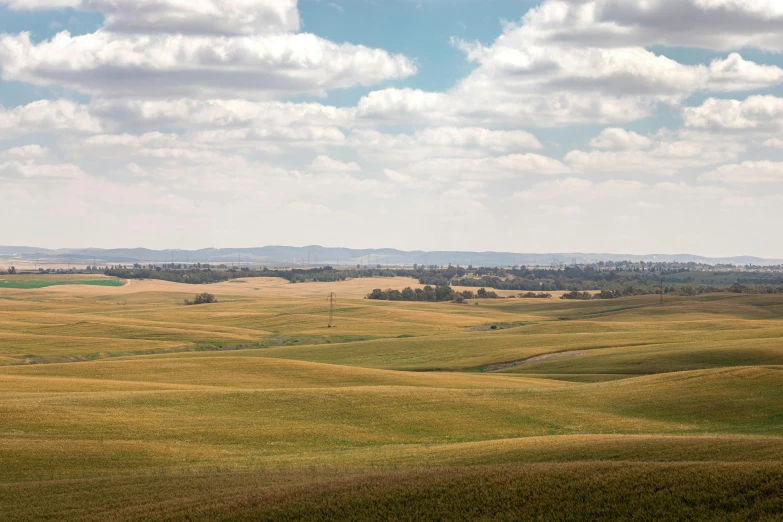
122	403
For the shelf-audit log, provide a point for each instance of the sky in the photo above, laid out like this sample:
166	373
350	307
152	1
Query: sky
508	125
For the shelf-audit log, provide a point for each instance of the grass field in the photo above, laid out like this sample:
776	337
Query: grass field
121	403
31	282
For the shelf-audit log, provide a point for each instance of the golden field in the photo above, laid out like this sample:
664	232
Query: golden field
124	404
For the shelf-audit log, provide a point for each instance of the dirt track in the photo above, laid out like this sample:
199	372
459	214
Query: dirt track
538	358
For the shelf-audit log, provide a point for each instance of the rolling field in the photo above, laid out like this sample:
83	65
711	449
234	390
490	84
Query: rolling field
121	403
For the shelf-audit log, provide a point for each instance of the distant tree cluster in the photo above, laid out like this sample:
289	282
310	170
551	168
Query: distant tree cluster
533	295
577	295
430	294
209	275
12	270
755	289
610	280
200	299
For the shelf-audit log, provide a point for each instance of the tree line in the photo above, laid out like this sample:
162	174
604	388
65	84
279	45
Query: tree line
616	282
429	293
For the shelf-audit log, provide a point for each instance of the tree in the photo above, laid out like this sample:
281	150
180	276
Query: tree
203	298
378	294
12	270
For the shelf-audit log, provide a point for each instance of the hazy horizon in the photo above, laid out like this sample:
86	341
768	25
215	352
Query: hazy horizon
325	255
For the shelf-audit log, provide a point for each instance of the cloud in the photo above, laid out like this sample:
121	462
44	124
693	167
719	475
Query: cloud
762	114
47	116
434	142
234	17
533	74
736	74
666	154
165	66
327	164
24	152
408	181
620	139
190	120
476	106
220	113
491	168
747	172
478	138
710	24
34	171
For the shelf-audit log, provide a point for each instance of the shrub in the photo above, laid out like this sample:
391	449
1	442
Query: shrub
203	298
484	294
533	295
575	294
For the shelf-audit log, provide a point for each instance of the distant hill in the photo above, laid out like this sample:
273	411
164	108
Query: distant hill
318	255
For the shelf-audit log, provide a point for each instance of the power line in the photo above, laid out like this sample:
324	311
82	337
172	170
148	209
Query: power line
332	299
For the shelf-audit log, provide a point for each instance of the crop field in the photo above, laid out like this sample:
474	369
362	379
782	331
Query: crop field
33	281
121	403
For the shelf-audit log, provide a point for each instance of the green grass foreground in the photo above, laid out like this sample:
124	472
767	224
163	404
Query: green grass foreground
33	284
114	407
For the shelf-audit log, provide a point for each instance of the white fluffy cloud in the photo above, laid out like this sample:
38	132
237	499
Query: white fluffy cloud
713	24
747	172
165	66
492	168
183	16
438	142
664	154
35	171
47	116
762	114
326	164
620	139
737	74
24	152
188	114
536	76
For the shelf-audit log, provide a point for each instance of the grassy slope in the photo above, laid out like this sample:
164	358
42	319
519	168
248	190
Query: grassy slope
191	424
570	491
334	430
33	284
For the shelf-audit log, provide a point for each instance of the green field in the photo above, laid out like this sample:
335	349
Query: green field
31	282
124	404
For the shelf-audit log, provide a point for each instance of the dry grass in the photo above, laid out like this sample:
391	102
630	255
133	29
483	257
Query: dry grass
312	423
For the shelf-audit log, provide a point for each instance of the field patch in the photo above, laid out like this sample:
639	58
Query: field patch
34	284
122	403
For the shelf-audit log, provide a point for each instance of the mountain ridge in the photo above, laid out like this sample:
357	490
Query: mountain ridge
279	255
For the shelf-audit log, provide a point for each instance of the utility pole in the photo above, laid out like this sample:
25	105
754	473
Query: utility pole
332	298
661	291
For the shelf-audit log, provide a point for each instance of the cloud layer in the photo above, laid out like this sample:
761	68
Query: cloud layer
576	128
